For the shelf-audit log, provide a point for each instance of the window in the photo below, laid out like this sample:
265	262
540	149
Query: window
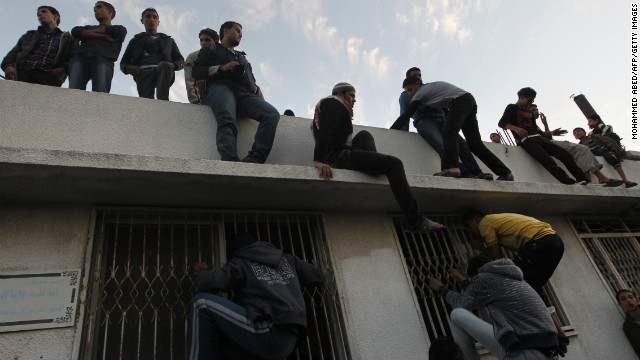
612	246
432	255
140	288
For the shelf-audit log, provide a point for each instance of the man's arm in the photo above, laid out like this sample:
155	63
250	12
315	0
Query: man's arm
330	113
405	116
225	278
308	274
475	295
176	57
9	61
506	122
188	77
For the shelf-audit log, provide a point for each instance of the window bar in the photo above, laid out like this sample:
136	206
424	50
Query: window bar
278	222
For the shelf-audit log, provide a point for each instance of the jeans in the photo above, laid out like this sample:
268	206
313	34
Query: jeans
538	259
462	116
85	67
212	315
157	80
466	327
542	150
364	157
431	130
38	77
226	104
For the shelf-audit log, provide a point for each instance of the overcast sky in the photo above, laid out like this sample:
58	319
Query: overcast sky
300	48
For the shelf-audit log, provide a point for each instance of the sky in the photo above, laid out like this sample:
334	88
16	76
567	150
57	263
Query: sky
299	49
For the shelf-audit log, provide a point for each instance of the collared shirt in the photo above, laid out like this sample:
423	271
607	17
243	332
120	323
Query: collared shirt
44	54
512	230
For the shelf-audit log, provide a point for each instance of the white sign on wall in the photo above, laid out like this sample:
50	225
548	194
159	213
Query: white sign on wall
38	299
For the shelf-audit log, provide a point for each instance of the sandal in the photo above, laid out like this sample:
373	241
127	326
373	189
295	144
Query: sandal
427	226
483	176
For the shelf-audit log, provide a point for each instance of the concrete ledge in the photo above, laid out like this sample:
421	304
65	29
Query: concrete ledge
33	175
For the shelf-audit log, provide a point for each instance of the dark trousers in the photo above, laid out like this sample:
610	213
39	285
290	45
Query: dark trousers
608	155
364	157
538	260
38	77
462	116
155	80
542	150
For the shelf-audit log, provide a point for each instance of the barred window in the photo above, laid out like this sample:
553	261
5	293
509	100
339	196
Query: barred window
612	246
431	255
140	285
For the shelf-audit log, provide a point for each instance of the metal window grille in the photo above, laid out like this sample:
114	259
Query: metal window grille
614	249
140	288
432	255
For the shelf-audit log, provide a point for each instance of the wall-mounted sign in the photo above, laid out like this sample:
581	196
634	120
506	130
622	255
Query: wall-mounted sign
38	299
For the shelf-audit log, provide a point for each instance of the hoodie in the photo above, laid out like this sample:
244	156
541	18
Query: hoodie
267	283
520	318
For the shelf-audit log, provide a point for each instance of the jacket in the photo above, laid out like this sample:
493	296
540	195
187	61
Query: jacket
213	56
27	42
519	316
133	52
335	129
267	283
632	331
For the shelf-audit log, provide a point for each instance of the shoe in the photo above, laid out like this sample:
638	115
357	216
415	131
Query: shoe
426	226
613	183
630	184
253	159
452	174
485	176
508	177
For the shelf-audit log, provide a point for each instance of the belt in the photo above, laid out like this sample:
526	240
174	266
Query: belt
528	137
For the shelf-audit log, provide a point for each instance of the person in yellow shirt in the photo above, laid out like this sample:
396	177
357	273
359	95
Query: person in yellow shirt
539	248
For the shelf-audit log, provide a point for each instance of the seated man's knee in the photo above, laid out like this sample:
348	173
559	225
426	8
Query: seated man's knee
459	316
164	65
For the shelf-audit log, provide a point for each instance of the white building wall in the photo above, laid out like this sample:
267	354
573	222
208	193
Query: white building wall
139	143
41	237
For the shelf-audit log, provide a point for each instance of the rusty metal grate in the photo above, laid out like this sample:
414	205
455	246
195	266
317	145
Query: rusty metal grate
613	247
432	255
140	288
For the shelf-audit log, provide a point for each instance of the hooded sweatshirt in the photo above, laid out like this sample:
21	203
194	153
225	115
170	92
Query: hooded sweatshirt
267	283
520	318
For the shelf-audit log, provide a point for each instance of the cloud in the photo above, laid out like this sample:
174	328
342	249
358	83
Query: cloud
270	75
256	12
402	19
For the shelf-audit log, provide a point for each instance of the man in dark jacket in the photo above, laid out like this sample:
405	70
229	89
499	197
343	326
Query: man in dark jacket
231	90
41	56
99	48
267	284
521	326
152	58
332	131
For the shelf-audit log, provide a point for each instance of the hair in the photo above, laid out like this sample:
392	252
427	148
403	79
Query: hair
475	263
227	25
209	32
410	81
150	9
289	112
52	10
108	6
498	135
242	239
595	117
470	214
579	128
411	70
623	291
444	348
527	92
532	105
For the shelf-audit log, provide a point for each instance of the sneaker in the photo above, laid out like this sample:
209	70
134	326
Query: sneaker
630	184
253	159
426	226
613	183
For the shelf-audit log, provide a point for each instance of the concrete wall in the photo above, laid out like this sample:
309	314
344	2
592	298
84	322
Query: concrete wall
89	148
41	237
